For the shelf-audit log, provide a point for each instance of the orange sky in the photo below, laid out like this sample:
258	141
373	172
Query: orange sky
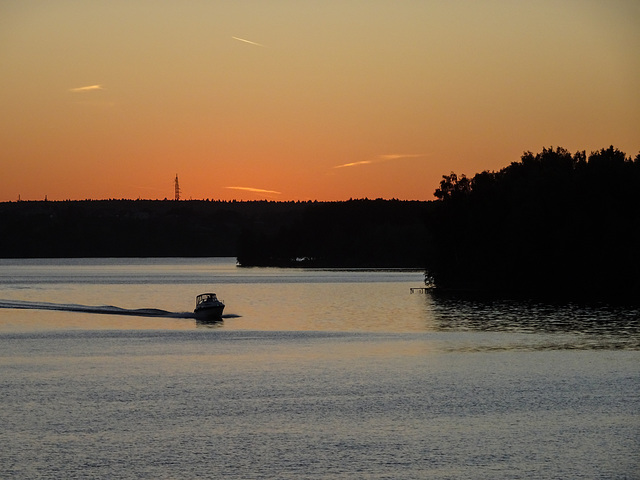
301	100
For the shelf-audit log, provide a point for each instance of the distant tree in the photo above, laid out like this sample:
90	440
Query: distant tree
451	186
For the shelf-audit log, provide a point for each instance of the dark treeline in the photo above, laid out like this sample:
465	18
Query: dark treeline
133	228
552	223
354	233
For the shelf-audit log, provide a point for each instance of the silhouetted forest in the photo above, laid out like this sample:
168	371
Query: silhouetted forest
552	223
359	233
356	233
133	228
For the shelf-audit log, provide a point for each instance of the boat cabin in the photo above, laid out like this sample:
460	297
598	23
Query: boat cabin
206	298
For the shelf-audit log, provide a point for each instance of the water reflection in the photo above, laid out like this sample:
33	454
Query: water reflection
203	323
620	323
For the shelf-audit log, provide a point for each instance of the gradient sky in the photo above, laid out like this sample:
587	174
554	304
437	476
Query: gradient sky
302	100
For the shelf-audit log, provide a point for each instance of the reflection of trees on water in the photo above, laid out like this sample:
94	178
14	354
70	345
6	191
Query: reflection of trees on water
461	312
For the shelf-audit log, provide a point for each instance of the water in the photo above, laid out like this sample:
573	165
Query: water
312	374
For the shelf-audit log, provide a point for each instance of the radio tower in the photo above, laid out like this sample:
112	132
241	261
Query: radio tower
177	188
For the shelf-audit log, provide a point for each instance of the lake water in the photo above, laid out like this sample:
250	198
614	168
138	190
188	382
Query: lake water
326	374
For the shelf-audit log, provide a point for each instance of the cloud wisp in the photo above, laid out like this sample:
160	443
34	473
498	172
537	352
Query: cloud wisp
254	190
248	41
88	88
354	164
397	156
381	159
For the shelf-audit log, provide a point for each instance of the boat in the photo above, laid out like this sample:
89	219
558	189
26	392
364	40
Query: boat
208	307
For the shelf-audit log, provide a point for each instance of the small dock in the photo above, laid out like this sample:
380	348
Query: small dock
419	289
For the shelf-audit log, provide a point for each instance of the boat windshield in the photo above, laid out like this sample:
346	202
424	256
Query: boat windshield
206	297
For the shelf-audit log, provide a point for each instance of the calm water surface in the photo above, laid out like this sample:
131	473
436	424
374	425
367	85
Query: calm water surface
312	374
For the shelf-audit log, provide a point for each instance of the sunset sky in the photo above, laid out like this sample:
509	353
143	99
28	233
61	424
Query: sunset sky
303	100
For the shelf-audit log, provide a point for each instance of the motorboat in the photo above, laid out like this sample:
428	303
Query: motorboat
208	307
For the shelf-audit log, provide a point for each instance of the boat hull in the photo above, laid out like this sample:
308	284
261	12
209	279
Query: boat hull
209	312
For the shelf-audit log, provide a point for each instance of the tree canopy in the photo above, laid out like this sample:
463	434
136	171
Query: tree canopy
551	223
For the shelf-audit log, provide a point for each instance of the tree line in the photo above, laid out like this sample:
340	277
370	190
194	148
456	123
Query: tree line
132	228
552	223
355	233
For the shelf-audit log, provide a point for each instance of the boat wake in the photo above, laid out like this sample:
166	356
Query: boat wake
104	309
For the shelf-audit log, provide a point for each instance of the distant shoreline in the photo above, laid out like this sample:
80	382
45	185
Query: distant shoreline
195	228
553	224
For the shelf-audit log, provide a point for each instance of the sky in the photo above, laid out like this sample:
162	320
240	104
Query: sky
303	100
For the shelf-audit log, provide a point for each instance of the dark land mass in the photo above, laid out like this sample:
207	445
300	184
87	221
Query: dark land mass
356	233
552	224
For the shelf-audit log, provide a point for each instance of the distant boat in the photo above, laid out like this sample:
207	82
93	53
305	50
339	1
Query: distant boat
208	307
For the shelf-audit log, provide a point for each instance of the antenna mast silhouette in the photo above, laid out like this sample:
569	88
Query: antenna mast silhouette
177	188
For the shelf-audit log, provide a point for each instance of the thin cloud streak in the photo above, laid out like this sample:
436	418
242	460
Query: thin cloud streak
382	158
248	41
396	156
353	164
254	190
88	88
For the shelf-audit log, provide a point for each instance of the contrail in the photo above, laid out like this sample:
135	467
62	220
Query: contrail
382	158
396	156
87	88
353	164
255	190
248	41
